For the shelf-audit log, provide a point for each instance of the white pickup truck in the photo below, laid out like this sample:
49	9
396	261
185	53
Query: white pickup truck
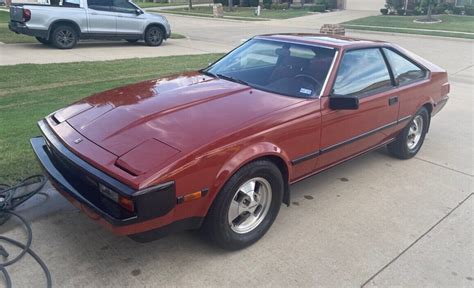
63	25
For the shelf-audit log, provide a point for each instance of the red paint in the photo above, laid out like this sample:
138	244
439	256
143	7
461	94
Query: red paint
197	130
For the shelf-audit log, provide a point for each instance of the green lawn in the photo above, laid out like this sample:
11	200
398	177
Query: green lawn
451	23
244	13
9	37
28	92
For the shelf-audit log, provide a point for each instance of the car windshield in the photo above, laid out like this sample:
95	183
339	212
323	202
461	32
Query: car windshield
280	67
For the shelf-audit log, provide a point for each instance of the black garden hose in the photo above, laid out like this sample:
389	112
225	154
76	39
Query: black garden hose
9	200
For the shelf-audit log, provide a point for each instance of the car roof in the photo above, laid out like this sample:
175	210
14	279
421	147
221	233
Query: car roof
334	41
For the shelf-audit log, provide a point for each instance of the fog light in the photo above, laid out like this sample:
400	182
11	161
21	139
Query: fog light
109	193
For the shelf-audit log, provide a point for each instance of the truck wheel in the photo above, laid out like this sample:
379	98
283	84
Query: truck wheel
154	36
43	40
410	140
246	207
64	37
132	40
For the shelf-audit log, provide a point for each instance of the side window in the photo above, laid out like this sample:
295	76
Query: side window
123	6
404	70
71	3
362	72
101	5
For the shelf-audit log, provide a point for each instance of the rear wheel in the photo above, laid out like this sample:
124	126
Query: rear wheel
409	141
246	206
154	36
64	37
43	40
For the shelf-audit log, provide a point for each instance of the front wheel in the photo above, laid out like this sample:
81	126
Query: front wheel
246	206
64	37
154	36
43	40
409	141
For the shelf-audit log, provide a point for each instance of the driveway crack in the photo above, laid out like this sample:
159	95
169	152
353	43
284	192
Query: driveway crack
445	167
416	241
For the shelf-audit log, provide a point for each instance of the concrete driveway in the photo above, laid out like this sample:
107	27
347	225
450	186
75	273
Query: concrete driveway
374	221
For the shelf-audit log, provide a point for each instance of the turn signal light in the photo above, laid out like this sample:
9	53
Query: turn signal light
126	203
192	196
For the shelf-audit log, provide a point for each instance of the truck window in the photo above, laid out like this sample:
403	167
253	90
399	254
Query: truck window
71	3
101	5
123	6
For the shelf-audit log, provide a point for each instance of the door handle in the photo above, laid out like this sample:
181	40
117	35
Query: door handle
392	100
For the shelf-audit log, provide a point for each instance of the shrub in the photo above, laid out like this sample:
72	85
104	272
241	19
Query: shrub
279	6
267	4
457	10
409	13
251	3
401	12
223	2
441	8
384	11
469	10
322	2
318	8
394	5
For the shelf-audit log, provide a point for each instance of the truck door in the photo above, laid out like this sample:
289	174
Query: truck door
129	22
101	19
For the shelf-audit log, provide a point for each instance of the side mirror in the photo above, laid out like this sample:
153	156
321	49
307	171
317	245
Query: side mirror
337	102
138	12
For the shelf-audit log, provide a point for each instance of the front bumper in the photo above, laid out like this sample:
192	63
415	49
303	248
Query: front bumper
21	28
78	182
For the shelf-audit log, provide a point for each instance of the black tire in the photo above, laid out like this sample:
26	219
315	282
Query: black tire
64	37
43	40
131	40
401	148
154	36
217	225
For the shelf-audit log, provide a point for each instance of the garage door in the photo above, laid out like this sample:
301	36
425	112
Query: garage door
368	5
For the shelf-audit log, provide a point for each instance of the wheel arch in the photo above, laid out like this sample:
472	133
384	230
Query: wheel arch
156	24
261	151
58	22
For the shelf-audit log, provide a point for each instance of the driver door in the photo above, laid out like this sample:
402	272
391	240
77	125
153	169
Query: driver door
362	73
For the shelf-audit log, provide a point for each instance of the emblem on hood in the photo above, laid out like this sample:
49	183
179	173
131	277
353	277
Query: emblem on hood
78	140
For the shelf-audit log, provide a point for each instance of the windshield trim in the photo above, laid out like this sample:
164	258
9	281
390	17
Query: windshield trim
329	74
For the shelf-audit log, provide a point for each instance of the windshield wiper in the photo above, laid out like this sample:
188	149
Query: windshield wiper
232	79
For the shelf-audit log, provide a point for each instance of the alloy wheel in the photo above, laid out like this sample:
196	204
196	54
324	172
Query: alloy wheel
250	205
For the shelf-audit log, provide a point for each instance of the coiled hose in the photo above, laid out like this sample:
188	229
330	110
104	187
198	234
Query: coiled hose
10	198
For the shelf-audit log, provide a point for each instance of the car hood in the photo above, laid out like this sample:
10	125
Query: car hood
182	112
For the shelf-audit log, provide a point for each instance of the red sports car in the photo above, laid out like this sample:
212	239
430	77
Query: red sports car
219	148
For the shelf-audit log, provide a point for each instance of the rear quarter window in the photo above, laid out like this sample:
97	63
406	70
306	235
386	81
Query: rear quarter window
404	70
